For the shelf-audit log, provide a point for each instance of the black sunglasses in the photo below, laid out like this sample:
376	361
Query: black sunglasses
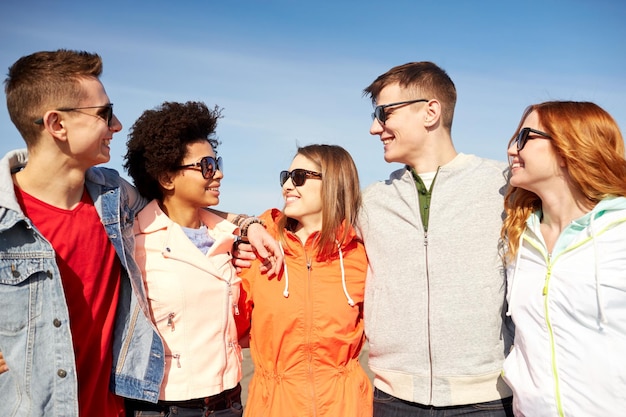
524	135
105	112
379	111
208	165
298	176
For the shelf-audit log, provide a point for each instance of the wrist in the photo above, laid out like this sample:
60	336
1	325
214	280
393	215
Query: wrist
245	225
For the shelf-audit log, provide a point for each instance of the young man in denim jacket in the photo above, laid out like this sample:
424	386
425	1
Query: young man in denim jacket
70	291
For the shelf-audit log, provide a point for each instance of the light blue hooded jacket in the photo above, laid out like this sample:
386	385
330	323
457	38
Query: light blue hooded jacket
569	310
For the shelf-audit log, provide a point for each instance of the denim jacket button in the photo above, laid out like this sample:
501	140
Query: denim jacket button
15	273
56	322
62	373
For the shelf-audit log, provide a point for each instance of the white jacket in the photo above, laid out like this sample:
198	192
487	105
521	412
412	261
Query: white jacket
569	309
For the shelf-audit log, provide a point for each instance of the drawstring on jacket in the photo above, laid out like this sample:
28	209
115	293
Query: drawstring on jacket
343	275
603	318
286	290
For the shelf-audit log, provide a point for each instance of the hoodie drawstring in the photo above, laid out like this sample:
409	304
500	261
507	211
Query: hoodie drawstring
286	290
343	275
602	317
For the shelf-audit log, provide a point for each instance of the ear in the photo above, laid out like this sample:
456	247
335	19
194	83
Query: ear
166	181
433	113
55	125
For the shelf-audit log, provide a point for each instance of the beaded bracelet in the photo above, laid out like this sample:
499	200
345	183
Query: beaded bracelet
239	219
245	224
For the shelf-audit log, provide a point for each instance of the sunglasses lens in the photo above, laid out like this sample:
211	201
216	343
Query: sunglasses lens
208	167
284	176
379	113
522	138
106	112
298	177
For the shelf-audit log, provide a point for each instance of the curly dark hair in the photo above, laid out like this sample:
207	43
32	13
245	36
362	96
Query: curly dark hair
158	140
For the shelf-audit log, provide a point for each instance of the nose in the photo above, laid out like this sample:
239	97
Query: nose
512	150
218	174
376	128
288	185
116	125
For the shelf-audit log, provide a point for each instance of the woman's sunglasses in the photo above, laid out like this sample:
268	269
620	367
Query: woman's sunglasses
298	176
208	165
105	112
524	135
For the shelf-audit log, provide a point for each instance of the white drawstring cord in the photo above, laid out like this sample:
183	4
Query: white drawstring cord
286	290
603	318
343	275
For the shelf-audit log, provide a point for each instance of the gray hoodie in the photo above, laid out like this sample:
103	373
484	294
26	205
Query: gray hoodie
434	302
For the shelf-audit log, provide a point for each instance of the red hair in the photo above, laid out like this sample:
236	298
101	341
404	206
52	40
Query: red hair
589	140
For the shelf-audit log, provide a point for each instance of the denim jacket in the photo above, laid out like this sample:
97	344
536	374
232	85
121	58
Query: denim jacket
35	336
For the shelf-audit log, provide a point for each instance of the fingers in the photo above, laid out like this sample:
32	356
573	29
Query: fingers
243	251
3	364
240	263
271	266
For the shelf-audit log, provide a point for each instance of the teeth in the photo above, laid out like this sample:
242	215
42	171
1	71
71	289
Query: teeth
387	141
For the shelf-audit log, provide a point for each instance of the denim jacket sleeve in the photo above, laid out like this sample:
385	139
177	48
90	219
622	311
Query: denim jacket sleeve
138	358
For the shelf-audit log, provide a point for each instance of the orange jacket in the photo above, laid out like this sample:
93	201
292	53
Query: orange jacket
305	345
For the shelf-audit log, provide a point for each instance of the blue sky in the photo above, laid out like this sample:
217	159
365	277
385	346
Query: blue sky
291	73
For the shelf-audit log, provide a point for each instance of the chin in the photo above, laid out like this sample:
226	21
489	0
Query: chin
389	157
289	213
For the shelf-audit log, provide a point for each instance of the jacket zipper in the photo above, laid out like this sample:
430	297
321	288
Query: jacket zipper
170	321
309	326
555	371
430	351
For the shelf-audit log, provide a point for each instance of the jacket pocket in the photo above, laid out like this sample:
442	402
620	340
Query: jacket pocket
20	288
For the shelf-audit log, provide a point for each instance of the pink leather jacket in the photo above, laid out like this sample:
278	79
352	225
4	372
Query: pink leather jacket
193	299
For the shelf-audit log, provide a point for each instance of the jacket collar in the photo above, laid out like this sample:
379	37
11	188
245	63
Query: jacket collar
293	243
152	218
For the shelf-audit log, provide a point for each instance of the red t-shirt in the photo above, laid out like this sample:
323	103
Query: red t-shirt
90	273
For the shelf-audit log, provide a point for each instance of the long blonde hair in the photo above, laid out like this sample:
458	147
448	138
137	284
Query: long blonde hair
341	197
589	141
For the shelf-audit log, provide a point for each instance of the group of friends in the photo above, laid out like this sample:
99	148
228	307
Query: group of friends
483	288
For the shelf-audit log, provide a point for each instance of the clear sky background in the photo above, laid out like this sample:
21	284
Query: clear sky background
291	73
